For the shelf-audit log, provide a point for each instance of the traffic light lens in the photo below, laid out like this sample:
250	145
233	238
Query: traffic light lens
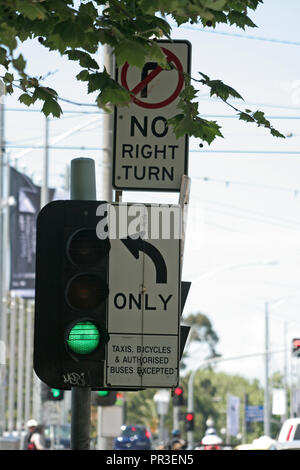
86	292
83	338
55	392
103	393
86	249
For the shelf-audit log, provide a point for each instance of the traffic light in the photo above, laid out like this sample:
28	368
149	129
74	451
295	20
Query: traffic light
189	422
178	397
296	347
71	299
104	398
51	394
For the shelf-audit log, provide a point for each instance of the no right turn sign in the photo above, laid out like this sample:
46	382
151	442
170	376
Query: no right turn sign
147	155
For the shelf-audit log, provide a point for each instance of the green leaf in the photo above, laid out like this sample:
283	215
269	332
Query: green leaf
214	4
97	81
26	99
276	133
19	63
85	60
83	76
52	107
218	88
31	10
245	117
8	78
132	52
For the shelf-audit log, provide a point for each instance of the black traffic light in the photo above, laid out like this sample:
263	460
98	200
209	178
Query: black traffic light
296	347
104	398
71	299
189	421
178	399
51	394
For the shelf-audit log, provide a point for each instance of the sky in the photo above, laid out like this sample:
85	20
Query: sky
242	248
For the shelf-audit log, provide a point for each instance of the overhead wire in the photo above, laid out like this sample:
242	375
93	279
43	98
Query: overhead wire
228	182
239	35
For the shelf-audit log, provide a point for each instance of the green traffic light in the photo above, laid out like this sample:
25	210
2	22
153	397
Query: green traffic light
55	392
83	338
103	393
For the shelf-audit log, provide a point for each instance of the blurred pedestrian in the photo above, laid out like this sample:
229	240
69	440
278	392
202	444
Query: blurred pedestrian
34	437
211	441
176	442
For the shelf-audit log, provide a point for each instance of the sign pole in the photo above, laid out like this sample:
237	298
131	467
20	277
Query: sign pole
83	187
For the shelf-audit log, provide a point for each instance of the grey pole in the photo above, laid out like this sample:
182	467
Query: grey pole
20	370
285	373
176	413
83	187
2	266
12	364
28	355
45	175
267	393
108	62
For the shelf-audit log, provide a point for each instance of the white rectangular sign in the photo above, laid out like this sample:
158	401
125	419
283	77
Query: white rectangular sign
144	296
147	156
111	421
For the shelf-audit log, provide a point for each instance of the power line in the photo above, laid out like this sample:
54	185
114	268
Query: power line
239	35
234	116
227	183
257	152
249	103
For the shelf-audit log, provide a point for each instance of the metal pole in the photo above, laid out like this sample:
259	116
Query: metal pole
12	363
106	188
101	441
83	187
20	376
267	393
176	413
2	265
45	175
285	372
28	360
44	200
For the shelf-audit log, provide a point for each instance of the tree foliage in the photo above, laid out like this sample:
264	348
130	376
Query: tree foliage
201	332
77	29
211	390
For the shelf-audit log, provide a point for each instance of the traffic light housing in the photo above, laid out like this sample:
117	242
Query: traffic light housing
296	347
51	394
189	421
104	398
178	399
71	300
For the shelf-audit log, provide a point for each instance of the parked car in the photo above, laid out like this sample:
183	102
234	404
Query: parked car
290	431
133	437
261	443
57	436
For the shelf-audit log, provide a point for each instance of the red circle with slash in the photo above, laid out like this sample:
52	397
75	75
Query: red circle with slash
171	58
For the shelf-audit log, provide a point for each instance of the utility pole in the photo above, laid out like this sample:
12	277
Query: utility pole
2	366
267	391
45	174
44	200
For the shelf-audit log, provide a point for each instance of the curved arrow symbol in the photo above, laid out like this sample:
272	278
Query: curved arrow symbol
137	245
